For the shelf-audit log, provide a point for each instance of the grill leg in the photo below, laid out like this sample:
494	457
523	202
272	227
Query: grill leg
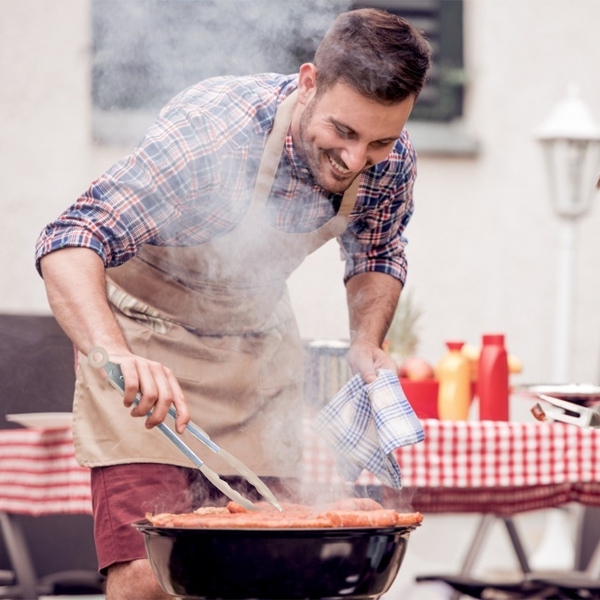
473	553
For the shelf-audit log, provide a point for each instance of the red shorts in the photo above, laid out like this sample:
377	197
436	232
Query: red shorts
123	494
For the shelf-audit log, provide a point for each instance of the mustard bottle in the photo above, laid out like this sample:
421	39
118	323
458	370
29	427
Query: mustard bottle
454	375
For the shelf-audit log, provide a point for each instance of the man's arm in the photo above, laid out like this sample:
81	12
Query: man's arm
76	288
372	301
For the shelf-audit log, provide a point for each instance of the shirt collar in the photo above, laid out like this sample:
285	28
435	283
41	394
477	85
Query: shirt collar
298	168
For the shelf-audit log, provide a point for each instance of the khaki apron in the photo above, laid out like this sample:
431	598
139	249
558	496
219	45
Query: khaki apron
219	316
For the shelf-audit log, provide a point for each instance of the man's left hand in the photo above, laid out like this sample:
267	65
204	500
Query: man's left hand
365	358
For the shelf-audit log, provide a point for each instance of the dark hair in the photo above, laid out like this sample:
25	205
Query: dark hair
380	55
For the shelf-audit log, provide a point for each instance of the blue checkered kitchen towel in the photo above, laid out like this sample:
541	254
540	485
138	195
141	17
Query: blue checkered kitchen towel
364	423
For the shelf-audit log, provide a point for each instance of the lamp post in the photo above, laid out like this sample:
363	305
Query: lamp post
570	138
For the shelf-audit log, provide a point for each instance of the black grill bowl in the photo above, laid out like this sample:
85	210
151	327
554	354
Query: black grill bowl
275	564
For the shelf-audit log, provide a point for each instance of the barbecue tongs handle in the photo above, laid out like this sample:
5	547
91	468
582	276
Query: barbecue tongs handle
571	413
116	380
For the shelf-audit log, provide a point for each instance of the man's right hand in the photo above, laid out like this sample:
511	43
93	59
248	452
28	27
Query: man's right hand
157	388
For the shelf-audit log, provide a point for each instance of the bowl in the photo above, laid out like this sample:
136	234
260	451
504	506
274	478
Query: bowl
423	396
200	563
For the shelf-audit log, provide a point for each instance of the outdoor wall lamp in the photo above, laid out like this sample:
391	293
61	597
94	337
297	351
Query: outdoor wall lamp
570	138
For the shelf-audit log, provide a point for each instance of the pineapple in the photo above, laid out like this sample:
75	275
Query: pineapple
402	338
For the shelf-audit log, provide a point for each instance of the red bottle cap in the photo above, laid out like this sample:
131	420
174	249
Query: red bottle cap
455	345
494	338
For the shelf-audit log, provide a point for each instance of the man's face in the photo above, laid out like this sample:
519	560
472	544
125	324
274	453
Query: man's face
341	133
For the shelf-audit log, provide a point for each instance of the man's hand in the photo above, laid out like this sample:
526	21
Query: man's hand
365	358
157	388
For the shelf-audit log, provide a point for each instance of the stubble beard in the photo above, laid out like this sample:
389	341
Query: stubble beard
315	157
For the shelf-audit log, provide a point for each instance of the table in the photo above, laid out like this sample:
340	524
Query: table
494	468
38	476
526	465
497	469
486	466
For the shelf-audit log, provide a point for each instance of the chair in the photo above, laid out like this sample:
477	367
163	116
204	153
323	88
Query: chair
480	588
581	584
578	583
464	583
36	370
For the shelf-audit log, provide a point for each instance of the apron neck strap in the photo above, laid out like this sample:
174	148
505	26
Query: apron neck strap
273	148
349	199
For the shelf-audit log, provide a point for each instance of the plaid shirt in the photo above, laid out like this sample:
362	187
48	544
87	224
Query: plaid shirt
190	181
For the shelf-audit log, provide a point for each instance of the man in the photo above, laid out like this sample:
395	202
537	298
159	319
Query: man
175	262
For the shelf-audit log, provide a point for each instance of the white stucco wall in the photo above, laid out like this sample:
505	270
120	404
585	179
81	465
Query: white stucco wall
483	240
44	133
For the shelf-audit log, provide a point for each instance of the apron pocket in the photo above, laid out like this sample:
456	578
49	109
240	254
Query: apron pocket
136	310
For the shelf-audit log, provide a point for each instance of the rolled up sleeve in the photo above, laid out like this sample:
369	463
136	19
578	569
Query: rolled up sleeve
138	200
374	241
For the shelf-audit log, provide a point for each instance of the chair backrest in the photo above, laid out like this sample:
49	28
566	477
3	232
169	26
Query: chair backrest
37	375
36	366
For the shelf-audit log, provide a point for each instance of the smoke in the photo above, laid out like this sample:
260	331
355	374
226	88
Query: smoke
146	51
401	500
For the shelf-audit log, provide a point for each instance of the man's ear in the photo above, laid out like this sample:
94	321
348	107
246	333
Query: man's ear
307	82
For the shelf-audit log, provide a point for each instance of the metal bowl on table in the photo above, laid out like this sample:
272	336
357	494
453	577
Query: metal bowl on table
200	563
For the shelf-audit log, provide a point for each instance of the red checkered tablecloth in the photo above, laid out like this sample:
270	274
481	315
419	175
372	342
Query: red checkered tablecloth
39	474
485	466
459	454
501	467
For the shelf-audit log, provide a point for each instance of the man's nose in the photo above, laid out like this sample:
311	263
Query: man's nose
355	157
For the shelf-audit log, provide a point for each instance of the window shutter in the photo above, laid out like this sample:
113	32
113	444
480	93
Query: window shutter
441	23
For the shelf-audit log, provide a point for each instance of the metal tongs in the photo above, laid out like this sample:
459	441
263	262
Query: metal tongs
569	412
116	380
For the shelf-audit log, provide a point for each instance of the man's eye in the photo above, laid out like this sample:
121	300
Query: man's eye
382	144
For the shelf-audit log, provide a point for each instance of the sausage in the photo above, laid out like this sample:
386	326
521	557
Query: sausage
287	507
248	520
362	518
414	518
538	412
234	507
238	521
355	504
373	518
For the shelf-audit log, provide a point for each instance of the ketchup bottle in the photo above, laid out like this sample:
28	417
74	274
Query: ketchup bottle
492	382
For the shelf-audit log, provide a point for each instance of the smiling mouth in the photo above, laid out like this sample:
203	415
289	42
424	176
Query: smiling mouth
337	167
